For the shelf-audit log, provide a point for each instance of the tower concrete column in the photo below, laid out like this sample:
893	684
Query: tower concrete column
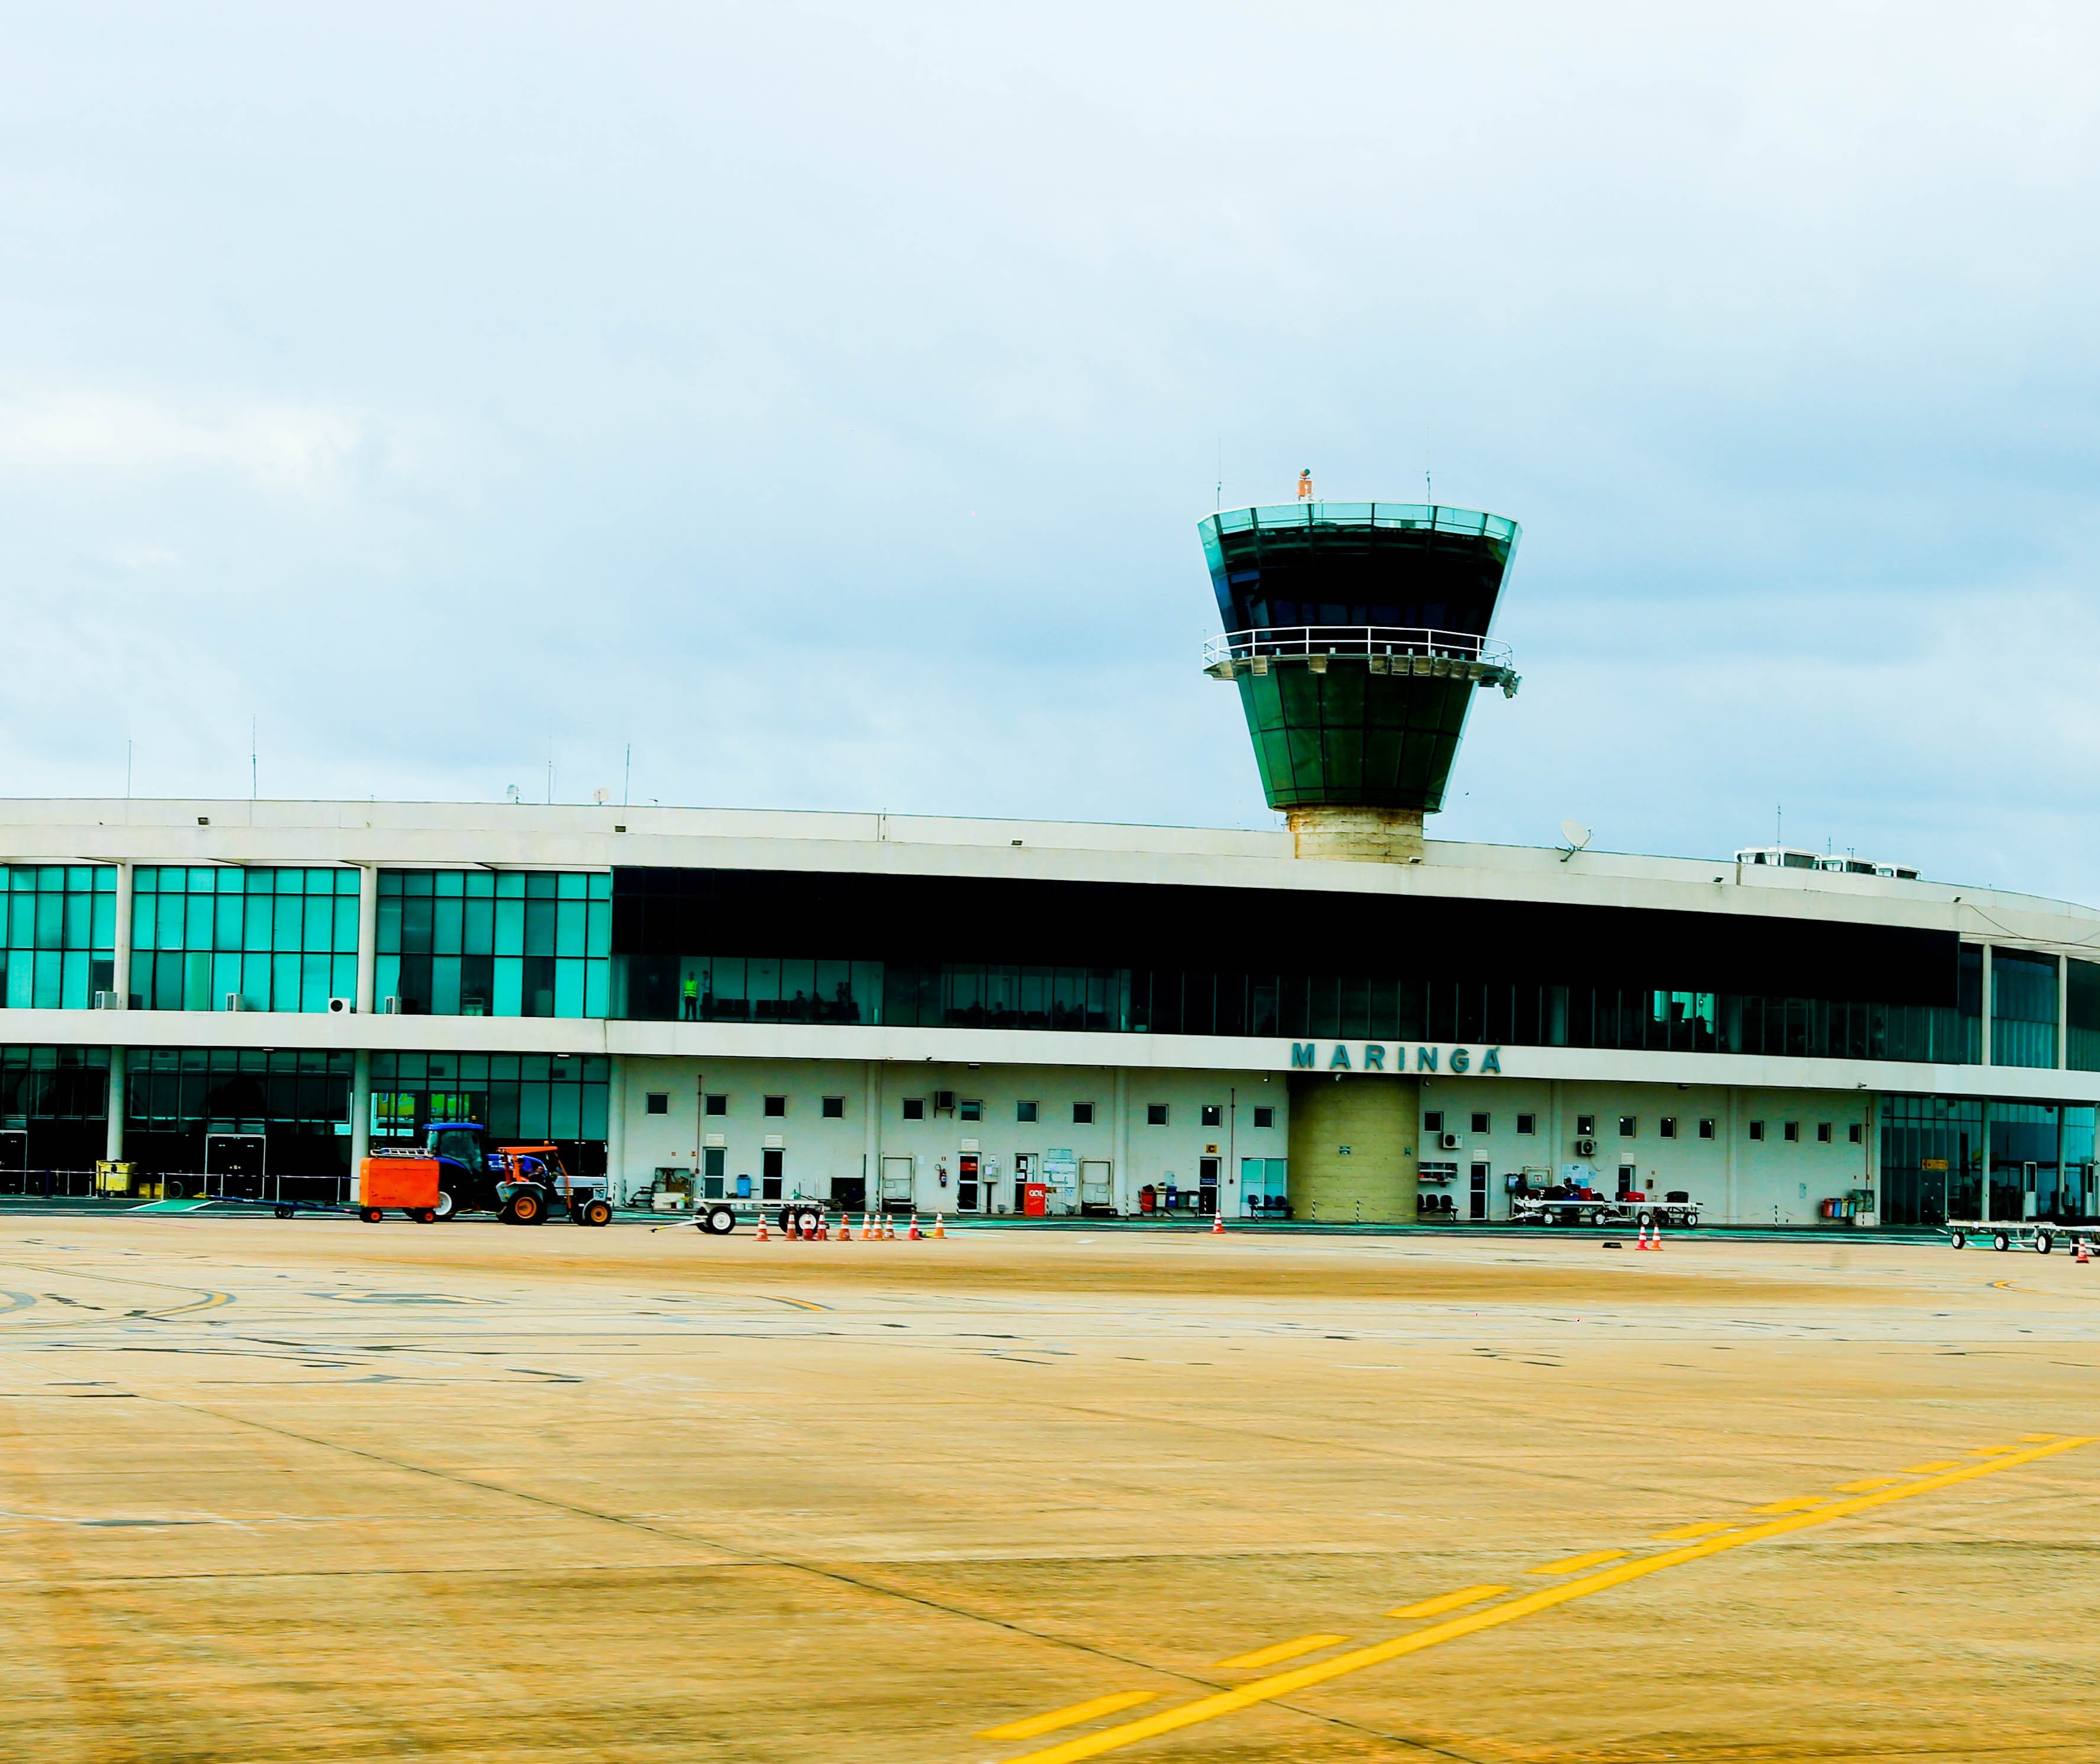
870	1157
360	1116
1120	1191
368	935
615	1127
113	1106
1355	1148
119	968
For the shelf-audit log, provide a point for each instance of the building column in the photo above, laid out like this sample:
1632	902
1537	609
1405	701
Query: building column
1984	1058
1736	1130
113	1105
1984	1155
368	935
870	1157
119	972
2062	1024
360	1116
615	1129
1121	1187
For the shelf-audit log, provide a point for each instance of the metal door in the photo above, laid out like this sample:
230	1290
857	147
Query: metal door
1096	1183
13	1160
966	1183
236	1164
772	1173
1476	1200
1206	1179
897	1178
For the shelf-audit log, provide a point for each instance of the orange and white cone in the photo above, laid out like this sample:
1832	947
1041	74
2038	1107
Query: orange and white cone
2078	1251
939	1229
1655	1242
889	1229
761	1227
1642	1243
1218	1222
914	1234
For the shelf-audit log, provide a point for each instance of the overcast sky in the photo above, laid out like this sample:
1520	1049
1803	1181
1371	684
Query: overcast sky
822	400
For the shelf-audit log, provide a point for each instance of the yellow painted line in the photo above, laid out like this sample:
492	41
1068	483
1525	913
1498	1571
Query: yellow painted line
1070	1717
1937	1464
2037	1439
210	1302
1705	1529
1991	1451
799	1304
1436	1608
1282	1651
1299	1678
1868	1484
1800	1503
1569	1564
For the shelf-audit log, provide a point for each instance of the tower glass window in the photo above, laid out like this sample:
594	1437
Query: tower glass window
274	940
495	943
60	935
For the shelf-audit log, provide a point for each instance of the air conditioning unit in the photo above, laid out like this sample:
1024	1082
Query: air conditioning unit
1449	1142
234	1001
391	1006
108	1001
1586	1148
341	1007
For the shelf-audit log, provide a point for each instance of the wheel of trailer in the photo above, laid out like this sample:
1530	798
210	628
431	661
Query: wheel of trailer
283	1212
807	1220
174	1191
370	1215
1690	1220
1644	1217
2044	1243
1596	1216
597	1212
1999	1240
447	1207
718	1221
1958	1240
787	1220
424	1215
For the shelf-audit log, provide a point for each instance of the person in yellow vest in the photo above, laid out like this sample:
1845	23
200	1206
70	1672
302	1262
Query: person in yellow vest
1305	485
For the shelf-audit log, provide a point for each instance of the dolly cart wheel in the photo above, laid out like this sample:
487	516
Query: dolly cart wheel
595	1213
283	1212
717	1221
2000	1241
2045	1241
1958	1240
370	1215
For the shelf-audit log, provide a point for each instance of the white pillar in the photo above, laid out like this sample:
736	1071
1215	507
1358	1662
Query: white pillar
113	1106
615	1129
360	1116
1985	1058
871	1132
2062	1026
368	935
1984	1156
120	981
1120	1189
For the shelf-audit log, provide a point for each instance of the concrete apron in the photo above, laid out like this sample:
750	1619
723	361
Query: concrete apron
1356	1149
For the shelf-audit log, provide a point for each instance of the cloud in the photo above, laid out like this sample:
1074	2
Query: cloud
279	447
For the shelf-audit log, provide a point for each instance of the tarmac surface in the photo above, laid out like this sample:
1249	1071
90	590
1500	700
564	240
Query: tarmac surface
316	1490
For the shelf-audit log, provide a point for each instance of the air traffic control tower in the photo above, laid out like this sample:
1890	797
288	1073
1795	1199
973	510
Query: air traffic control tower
1357	634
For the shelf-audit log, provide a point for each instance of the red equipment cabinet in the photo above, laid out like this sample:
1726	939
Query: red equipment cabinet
409	1183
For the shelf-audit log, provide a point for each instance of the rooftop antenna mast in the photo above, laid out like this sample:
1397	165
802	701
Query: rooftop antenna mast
252	773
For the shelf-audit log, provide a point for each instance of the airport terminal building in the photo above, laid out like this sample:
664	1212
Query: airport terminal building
1339	1020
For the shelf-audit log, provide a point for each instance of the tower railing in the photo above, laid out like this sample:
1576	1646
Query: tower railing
1370	640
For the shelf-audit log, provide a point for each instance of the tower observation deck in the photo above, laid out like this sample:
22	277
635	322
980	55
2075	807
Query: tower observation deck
1357	633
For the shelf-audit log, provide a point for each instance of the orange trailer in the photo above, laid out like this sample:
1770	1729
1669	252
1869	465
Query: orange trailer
407	1181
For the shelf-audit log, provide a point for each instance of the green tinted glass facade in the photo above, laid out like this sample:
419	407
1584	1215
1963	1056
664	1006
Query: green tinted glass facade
495	943
297	1102
275	940
61	935
1343	735
517	1097
2023	1008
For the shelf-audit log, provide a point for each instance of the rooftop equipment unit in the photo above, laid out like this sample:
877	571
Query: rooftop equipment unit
341	1007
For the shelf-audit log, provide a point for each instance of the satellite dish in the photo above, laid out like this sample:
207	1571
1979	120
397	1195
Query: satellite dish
1578	836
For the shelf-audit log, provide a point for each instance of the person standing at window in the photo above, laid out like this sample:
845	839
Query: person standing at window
691	1010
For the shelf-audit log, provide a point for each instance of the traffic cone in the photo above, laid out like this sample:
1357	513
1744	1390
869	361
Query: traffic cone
823	1228
1656	1241
889	1229
939	1229
866	1226
914	1234
1642	1243
761	1227
1218	1222
2081	1254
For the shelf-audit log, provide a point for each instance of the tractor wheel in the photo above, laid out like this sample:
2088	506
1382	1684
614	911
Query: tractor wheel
527	1208
446	1208
597	1213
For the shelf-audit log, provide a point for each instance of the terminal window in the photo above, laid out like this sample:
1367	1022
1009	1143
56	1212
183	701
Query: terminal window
1706	1126
775	1107
1527	1123
1757	1130
914	1109
1627	1124
1433	1122
835	1108
1083	1114
1480	1123
1667	1126
1792	1130
717	1103
1213	1114
1026	1111
1822	1133
971	1109
659	1102
1155	1115
1264	1116
1858	1134
1585	1126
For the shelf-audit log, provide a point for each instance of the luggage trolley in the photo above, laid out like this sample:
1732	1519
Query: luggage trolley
2040	1235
